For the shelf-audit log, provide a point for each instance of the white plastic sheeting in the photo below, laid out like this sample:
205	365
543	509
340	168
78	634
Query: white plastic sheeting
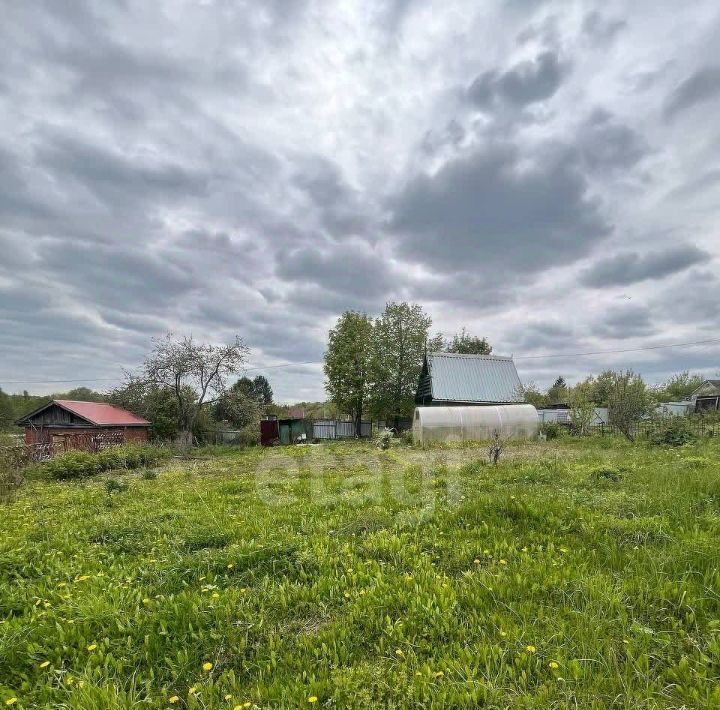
510	421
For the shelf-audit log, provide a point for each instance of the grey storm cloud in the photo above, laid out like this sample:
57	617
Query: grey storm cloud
626	322
484	213
525	83
606	144
600	28
630	267
229	166
701	86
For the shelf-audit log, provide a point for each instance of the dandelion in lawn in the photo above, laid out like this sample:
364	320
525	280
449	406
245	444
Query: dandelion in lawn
44	664
192	690
92	647
399	652
207	666
503	562
174	699
228	697
439	674
312	699
476	561
215	595
230	566
530	649
11	701
146	601
554	665
503	633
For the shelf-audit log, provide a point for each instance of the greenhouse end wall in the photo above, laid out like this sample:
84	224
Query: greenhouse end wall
452	424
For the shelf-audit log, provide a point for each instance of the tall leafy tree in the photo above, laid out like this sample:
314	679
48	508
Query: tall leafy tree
628	401
347	362
466	344
558	393
399	340
262	389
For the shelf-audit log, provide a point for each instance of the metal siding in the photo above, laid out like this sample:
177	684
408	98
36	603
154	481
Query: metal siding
474	378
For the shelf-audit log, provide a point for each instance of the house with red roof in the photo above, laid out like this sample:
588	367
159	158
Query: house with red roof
82	424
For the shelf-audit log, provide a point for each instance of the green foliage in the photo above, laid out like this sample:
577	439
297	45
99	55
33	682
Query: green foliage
678	387
398	347
628	401
551	430
347	363
82	464
584	577
673	431
466	344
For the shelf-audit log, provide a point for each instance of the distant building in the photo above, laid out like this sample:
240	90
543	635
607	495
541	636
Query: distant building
449	379
62	420
706	396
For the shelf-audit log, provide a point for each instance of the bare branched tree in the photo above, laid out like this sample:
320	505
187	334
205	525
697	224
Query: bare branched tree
497	444
195	372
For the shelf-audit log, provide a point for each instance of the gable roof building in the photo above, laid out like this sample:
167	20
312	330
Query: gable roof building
69	413
67	420
449	379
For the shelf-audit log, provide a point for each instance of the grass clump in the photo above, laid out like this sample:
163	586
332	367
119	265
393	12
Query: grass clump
82	464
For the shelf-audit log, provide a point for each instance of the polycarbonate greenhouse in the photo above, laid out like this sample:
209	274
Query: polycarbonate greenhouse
510	421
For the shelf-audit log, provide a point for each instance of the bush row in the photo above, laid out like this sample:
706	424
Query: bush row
80	464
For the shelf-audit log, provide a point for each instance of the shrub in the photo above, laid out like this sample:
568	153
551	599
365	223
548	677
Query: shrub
551	430
673	431
384	439
81	464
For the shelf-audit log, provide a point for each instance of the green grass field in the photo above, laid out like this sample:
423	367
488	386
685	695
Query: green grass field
575	574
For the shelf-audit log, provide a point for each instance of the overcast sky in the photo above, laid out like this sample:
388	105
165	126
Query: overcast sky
545	173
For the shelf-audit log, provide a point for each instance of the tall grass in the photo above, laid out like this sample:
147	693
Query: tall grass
574	574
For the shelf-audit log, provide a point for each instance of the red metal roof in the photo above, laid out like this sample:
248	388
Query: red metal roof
102	414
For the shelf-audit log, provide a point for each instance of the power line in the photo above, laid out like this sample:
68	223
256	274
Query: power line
313	362
625	350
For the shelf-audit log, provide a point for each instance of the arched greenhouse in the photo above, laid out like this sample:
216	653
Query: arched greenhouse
510	421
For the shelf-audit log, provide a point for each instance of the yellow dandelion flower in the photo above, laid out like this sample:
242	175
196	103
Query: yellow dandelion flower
476	561
228	697
192	689
247	705
230	566
92	647
174	699
503	633
439	674
83	578
70	680
503	562
62	584
207	666
146	601
44	664
11	701
554	665
215	595
530	649
347	595
399	652
312	699
418	673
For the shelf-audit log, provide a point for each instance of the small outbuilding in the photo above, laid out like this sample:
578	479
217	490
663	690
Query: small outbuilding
83	424
706	396
450	379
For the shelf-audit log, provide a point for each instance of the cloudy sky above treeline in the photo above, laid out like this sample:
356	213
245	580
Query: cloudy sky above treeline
546	174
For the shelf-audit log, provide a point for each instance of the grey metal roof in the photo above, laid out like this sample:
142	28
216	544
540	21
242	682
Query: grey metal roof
474	378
